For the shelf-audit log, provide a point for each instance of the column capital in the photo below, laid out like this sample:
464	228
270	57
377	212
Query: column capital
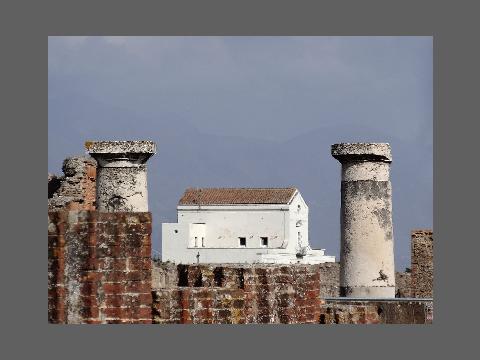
346	152
121	174
120	153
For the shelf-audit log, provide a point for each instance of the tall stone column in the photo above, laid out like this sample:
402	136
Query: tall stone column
121	174
366	256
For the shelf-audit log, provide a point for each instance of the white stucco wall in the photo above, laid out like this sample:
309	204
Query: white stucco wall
226	224
298	223
222	226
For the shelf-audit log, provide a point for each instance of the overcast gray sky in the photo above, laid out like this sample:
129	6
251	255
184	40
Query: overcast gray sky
252	111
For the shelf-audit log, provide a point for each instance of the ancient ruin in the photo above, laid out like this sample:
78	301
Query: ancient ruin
366	257
121	174
100	269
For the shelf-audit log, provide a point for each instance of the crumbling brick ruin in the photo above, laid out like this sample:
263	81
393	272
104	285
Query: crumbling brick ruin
99	267
293	294
75	190
229	293
100	270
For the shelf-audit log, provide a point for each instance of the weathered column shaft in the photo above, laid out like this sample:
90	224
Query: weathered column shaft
367	253
121	174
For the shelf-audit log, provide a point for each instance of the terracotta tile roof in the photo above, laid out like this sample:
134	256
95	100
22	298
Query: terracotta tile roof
235	196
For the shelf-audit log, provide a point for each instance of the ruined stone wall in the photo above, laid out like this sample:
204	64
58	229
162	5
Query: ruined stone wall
241	294
398	311
422	263
403	285
167	275
99	267
244	293
75	190
260	293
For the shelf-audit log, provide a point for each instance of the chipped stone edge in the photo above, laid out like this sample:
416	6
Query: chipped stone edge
120	146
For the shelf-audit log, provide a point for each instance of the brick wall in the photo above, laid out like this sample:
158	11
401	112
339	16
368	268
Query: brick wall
240	294
397	311
422	263
207	293
100	271
243	294
75	190
99	267
168	275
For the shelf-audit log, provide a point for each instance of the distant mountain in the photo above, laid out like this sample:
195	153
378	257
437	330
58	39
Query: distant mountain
187	157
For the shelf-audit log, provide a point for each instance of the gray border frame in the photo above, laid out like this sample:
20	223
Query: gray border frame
25	114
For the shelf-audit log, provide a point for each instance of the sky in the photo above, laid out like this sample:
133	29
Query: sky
252	112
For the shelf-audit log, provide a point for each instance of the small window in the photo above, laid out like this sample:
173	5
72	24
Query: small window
196	241
176	231
203	241
264	241
298	208
242	241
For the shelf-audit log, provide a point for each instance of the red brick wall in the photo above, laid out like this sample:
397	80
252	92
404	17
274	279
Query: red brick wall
99	267
243	294
249	294
100	271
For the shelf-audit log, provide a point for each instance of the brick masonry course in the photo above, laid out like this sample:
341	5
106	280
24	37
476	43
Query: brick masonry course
99	267
244	294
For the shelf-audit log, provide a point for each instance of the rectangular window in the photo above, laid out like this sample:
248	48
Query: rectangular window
242	241
196	242
264	241
203	242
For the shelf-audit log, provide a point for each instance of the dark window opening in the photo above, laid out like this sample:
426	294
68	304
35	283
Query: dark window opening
218	276
264	241
242	241
182	275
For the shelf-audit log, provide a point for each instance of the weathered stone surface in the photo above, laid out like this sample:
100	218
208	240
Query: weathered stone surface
403	285
362	151
422	263
366	311
120	147
366	258
121	174
75	190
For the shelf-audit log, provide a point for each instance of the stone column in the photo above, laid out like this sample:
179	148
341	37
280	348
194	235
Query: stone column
121	174
366	256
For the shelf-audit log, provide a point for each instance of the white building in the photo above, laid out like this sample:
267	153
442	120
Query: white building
234	225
